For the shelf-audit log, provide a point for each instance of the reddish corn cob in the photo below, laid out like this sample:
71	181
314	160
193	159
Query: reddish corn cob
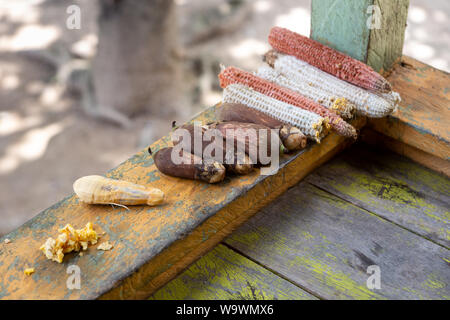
327	59
233	75
311	124
324	88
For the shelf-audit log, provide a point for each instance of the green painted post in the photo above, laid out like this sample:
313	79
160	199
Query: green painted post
368	30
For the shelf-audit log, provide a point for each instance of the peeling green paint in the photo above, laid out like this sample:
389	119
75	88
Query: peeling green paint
224	274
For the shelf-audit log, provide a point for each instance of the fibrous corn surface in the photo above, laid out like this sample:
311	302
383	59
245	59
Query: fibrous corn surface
232	75
366	103
327	59
309	123
307	87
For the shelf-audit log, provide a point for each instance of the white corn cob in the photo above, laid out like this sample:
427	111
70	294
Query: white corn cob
366	102
311	124
340	105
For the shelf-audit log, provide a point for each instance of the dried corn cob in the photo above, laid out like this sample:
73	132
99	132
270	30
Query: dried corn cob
311	124
339	105
234	75
327	59
367	103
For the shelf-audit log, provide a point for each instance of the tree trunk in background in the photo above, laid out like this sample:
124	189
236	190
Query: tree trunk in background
136	68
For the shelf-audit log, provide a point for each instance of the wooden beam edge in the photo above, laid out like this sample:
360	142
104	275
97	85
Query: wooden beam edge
177	257
411	135
374	137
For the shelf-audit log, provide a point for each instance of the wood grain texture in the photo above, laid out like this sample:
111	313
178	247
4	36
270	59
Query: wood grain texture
151	244
325	244
423	117
428	160
386	43
227	275
222	223
392	187
344	26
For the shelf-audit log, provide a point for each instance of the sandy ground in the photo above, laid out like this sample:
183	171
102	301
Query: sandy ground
46	140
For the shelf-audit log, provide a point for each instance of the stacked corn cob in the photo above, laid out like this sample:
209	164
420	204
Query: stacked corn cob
307	89
323	87
232	75
340	105
327	59
310	86
311	124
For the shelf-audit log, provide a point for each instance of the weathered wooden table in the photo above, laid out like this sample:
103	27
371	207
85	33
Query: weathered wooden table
315	241
367	207
364	208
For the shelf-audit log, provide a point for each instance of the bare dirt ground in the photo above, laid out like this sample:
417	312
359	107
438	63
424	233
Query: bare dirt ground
47	141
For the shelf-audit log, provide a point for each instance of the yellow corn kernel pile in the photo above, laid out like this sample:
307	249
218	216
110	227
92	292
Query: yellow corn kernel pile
69	240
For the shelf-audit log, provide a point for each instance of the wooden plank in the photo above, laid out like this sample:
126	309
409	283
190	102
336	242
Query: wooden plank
393	187
151	245
326	244
344	25
423	118
428	160
227	275
386	43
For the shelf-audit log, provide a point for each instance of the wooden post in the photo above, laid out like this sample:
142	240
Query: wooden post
371	31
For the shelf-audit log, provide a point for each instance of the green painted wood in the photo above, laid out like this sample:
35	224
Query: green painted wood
393	187
386	44
341	25
225	274
326	244
344	25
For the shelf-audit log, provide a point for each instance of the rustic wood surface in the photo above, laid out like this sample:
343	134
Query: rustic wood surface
225	274
151	244
423	118
325	244
319	237
426	159
392	187
343	25
386	42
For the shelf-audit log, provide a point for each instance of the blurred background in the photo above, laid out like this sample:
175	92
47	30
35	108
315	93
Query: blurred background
80	96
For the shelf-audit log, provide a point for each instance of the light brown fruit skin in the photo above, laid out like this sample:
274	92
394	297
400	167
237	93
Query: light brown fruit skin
232	165
206	170
101	190
223	127
291	137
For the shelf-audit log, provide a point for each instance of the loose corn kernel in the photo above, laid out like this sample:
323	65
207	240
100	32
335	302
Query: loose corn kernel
68	240
28	271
